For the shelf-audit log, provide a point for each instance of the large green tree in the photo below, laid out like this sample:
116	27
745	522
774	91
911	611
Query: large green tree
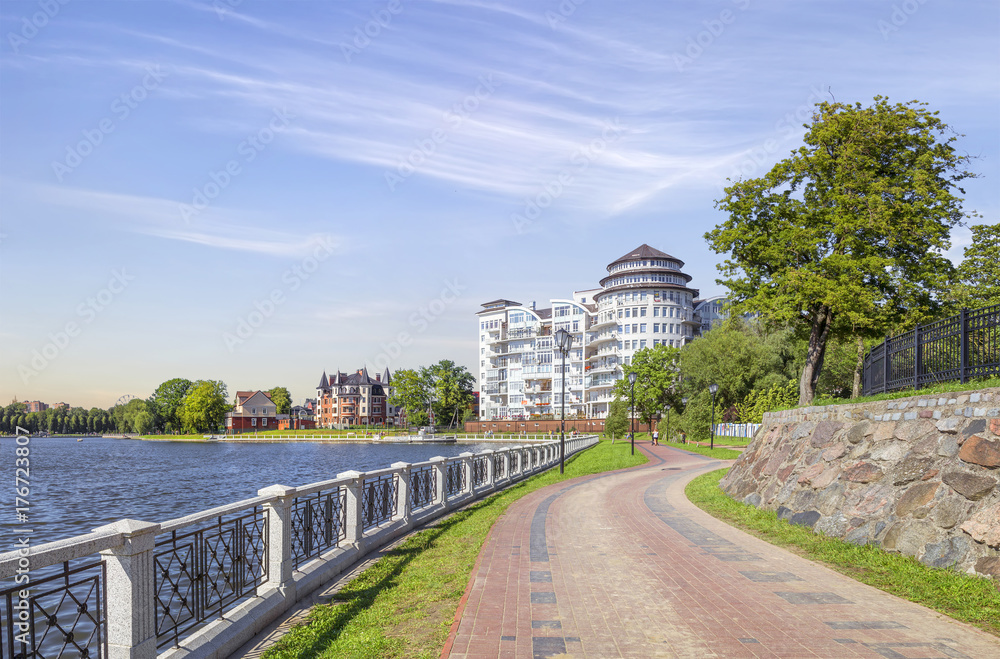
282	399
451	388
979	271
411	392
205	406
167	400
657	382
846	235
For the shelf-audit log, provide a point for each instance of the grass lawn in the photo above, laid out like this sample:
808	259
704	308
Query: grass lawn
971	599
404	604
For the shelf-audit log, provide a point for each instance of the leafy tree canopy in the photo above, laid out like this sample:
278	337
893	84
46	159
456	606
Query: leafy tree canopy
846	235
281	397
657	372
979	272
167	400
205	406
411	391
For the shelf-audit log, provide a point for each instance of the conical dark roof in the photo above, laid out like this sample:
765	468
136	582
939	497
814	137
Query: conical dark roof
644	251
323	382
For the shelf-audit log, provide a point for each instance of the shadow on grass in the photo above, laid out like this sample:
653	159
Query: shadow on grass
361	593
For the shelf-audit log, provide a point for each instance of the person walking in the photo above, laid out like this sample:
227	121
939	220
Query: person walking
656	438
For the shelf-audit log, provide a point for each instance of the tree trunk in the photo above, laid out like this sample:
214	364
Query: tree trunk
858	368
818	335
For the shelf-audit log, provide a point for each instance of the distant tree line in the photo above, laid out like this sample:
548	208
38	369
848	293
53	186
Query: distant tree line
178	406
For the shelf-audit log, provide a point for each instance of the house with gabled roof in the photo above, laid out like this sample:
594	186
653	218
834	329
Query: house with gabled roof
354	399
253	411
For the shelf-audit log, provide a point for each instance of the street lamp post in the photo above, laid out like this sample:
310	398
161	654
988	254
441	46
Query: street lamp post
563	343
712	388
631	418
684	404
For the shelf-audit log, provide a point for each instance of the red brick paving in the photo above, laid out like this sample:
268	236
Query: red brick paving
638	571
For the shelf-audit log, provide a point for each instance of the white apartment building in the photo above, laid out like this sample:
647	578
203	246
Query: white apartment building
644	301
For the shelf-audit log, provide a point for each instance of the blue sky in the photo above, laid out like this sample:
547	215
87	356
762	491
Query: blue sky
258	191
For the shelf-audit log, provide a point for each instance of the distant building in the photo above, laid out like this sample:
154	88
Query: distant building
34	406
254	410
354	399
644	301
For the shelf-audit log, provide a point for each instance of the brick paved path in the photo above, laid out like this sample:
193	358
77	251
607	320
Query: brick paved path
622	565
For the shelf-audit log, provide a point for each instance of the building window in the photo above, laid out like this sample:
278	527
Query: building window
656	328
263	421
628	313
635	328
642	311
642	328
656	311
253	422
642	344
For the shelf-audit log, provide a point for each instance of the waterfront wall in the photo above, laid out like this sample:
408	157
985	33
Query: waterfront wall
914	475
202	585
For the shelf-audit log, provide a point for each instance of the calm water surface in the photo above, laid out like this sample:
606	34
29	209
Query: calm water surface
78	486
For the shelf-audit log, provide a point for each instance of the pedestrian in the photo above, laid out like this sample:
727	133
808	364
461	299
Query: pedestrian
656	438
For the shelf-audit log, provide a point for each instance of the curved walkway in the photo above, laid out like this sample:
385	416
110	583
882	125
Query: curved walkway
623	565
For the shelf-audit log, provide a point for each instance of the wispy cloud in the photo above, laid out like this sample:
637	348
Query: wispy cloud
157	217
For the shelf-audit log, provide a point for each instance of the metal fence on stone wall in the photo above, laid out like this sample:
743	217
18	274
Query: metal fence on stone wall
960	348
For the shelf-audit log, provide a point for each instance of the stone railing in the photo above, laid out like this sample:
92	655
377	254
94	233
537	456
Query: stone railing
204	584
916	475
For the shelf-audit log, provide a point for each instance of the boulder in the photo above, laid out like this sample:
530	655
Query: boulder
910	469
859	431
989	565
916	496
951	552
971	486
822	435
863	472
808	518
980	451
950	511
984	526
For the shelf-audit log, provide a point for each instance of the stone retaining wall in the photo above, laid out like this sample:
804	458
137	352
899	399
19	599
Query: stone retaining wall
915	475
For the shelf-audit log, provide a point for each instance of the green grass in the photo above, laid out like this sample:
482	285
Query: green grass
405	603
971	599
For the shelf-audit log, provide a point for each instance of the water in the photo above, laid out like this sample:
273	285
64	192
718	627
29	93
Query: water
78	486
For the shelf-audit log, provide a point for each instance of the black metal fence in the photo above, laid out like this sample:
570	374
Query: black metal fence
959	348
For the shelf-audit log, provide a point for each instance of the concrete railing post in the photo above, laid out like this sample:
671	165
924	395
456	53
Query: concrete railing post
279	539
354	516
131	616
488	477
402	492
467	464
440	466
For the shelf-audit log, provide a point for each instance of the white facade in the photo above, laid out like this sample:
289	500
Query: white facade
643	302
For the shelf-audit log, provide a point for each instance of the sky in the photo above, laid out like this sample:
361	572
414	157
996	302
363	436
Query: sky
256	192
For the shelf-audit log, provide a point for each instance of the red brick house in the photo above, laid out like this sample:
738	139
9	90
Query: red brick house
254	410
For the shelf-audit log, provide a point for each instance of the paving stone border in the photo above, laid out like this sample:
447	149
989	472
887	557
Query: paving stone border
914	475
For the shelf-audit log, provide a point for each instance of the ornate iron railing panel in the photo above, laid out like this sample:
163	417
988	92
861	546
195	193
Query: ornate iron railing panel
499	466
479	470
456	479
423	487
200	573
958	348
318	523
378	500
64	616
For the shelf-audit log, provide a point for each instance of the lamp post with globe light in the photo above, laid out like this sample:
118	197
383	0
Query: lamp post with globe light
712	388
631	418
563	342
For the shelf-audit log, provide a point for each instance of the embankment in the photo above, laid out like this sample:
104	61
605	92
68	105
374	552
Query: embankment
916	475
